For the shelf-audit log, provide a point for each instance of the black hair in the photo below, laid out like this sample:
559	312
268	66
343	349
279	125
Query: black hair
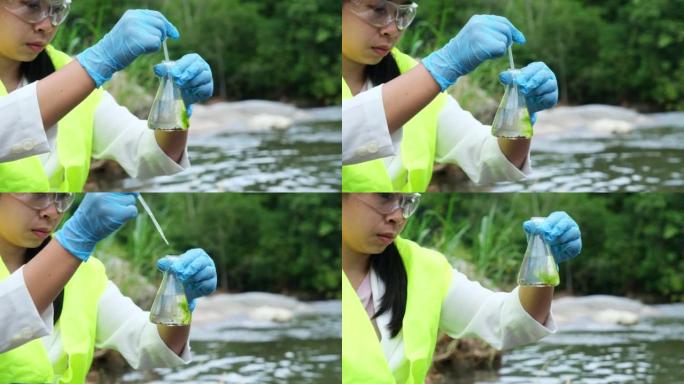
37	69
59	300
389	267
384	71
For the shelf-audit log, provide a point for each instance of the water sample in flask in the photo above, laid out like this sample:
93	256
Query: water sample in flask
512	119
538	268
170	306
168	112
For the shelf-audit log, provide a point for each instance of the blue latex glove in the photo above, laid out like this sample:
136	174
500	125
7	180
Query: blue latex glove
483	37
561	233
99	215
136	33
196	270
538	83
193	76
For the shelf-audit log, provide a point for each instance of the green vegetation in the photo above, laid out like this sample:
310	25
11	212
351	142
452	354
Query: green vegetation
610	52
265	49
551	279
285	243
632	243
185	310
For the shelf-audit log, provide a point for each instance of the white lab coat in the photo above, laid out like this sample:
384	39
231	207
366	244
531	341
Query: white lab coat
461	140
118	135
469	310
121	325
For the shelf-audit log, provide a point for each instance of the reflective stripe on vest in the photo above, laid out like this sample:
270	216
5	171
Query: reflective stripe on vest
417	149
363	361
29	363
74	148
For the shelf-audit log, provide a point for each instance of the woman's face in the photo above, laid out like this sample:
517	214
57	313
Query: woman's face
23	41
24	227
364	229
363	43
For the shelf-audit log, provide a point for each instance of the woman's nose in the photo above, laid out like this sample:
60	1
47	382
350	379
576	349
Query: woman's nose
50	212
391	30
395	216
44	26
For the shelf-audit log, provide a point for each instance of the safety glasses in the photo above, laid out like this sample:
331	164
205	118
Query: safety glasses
387	203
380	13
35	11
40	201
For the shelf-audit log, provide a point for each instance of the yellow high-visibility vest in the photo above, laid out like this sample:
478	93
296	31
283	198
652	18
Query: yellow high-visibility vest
429	277
29	363
74	148
417	149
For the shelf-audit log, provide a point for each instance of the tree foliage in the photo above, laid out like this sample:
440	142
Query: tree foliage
611	51
632	243
265	49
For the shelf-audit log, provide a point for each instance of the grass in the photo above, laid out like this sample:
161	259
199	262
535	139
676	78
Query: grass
481	229
283	243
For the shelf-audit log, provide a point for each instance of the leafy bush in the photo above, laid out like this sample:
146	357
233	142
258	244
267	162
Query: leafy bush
612	52
632	243
265	49
287	243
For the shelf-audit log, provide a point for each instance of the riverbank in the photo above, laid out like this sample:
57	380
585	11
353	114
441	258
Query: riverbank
250	337
252	145
593	148
601	338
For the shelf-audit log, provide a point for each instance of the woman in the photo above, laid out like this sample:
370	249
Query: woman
397	120
56	117
56	303
397	296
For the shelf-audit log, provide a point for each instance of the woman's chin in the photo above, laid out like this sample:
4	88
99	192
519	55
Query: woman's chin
26	54
373	59
376	249
33	241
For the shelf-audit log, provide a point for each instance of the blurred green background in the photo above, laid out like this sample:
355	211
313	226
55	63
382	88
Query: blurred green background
258	49
281	243
619	52
633	244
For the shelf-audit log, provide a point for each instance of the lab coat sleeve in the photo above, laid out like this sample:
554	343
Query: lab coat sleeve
365	134
21	126
123	326
19	318
496	317
464	141
121	136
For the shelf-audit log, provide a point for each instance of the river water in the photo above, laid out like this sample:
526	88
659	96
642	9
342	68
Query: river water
240	350
601	149
306	157
651	351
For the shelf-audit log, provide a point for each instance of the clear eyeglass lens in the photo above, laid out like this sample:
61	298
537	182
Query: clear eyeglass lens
387	203
63	201
35	11
380	13
405	16
409	204
59	12
40	201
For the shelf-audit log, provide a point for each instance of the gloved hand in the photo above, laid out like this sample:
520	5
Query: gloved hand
196	270
136	33
99	215
193	76
561	233
483	37
538	83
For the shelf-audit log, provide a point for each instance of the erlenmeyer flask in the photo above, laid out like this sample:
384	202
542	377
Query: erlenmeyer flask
538	267
512	119
170	306
168	111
